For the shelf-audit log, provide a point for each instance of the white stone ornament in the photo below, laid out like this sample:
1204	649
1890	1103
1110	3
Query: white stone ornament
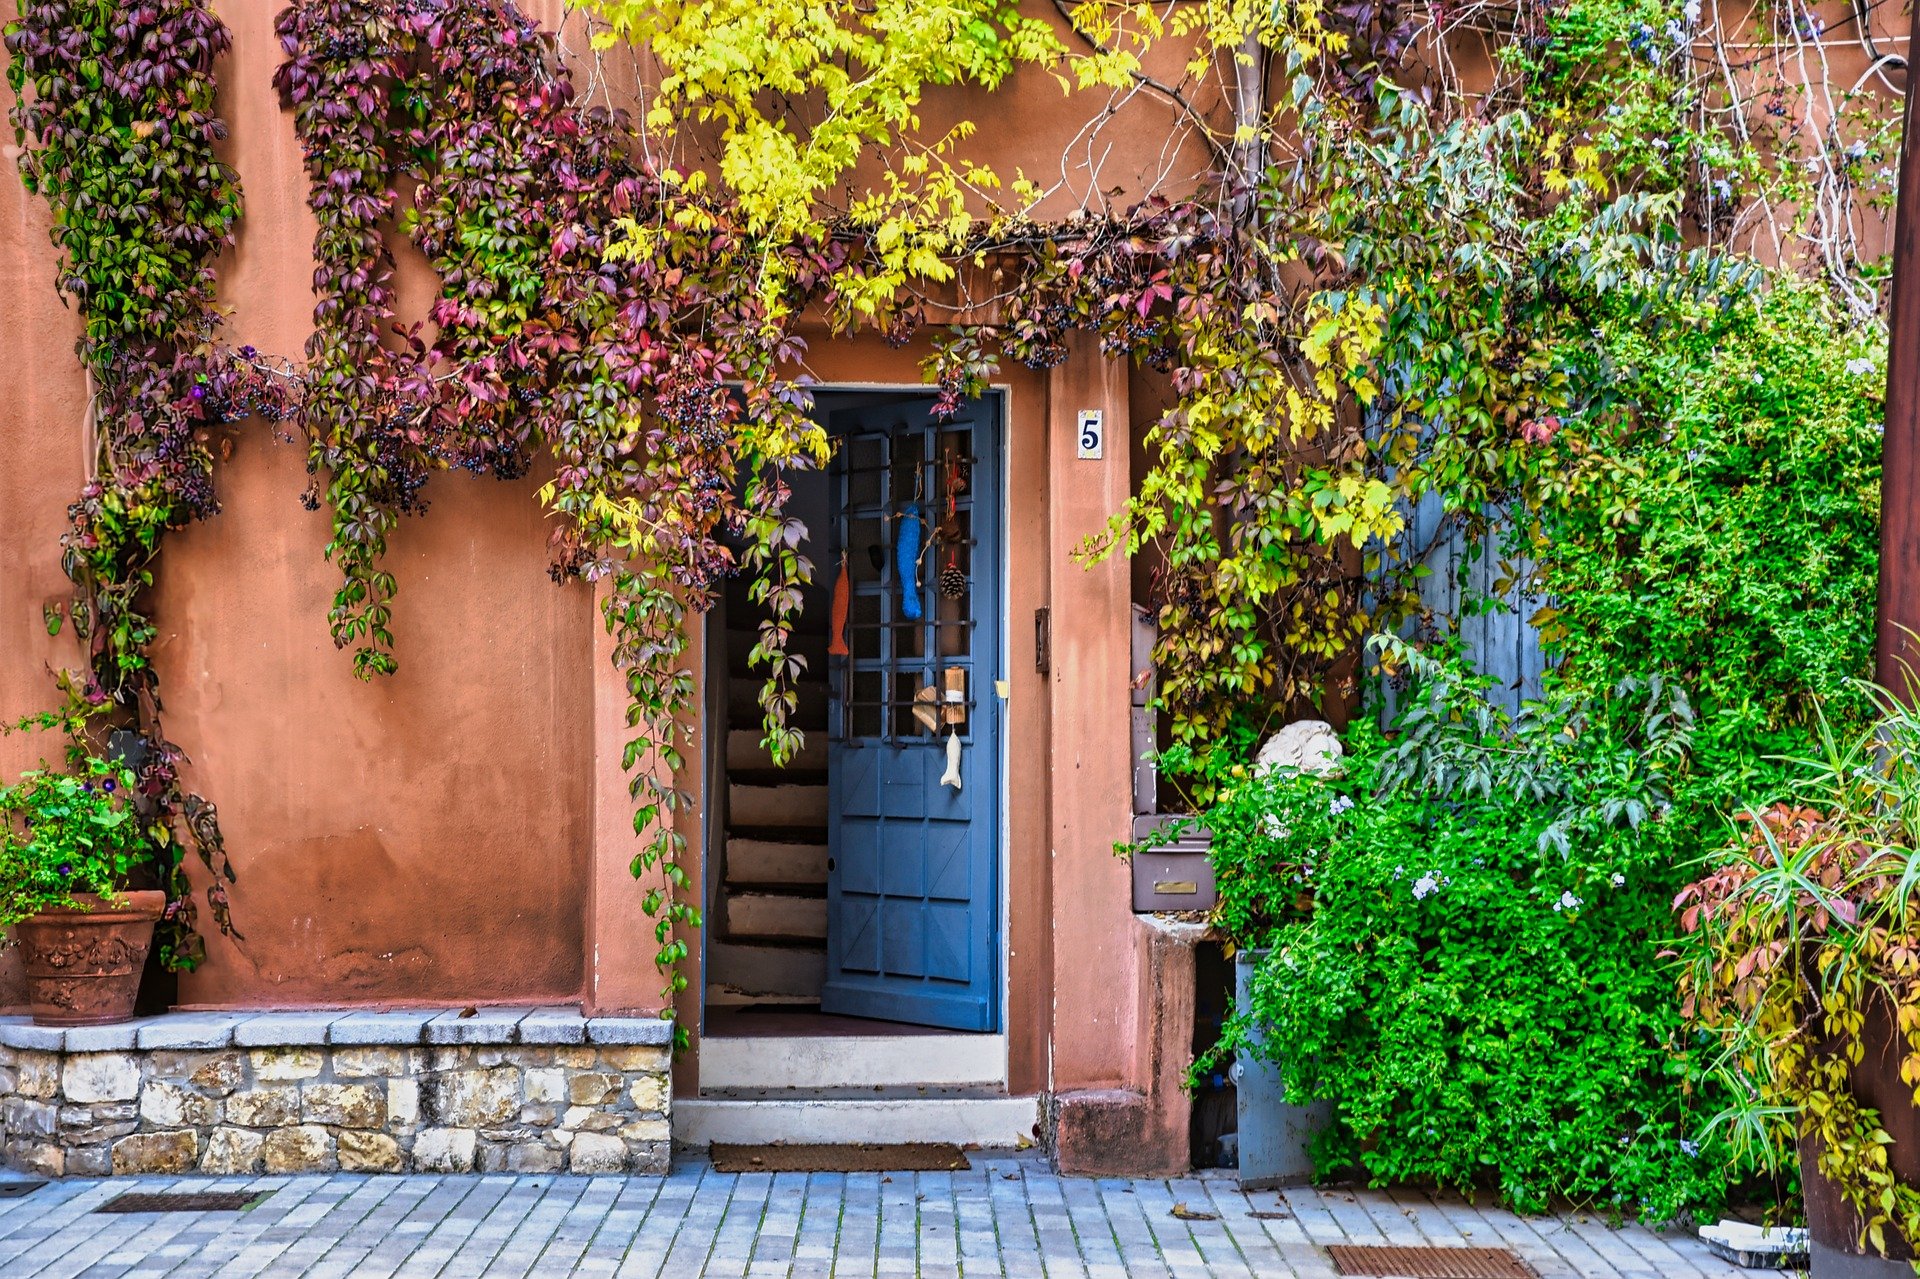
952	776
1306	745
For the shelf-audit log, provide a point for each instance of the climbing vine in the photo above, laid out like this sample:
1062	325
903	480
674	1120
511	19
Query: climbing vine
1363	273
117	99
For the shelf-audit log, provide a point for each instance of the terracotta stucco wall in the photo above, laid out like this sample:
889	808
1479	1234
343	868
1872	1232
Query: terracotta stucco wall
430	836
420	838
42	465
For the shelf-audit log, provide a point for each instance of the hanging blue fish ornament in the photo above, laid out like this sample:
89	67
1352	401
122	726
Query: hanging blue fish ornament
907	560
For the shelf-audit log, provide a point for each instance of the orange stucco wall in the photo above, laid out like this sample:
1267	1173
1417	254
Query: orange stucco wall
460	832
419	838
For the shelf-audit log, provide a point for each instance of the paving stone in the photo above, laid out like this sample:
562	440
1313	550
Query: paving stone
20	1032
629	1030
553	1026
105	1076
408	1027
272	1030
187	1030
1009	1216
119	1037
485	1026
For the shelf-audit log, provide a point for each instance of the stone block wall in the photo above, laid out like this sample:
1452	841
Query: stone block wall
222	1101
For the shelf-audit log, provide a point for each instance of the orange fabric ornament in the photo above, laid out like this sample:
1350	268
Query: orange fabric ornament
842	592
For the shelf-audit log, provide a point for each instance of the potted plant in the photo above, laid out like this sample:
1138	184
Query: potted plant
70	846
1802	945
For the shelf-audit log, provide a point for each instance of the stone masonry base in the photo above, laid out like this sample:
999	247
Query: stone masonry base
506	1090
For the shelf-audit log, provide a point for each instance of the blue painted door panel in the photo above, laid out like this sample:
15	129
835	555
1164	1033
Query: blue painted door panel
913	911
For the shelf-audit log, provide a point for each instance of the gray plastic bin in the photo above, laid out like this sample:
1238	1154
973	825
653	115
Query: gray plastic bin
1274	1133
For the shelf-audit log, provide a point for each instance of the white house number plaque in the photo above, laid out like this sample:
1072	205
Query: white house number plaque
1093	434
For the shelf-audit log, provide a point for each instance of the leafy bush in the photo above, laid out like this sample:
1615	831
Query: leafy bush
1473	978
67	833
1734	545
1803	960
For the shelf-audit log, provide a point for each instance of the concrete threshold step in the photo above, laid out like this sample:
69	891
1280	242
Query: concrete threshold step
776	915
793	804
746	754
808	644
760	969
771	776
918	1059
755	862
776	834
993	1123
918	1092
744	709
719	996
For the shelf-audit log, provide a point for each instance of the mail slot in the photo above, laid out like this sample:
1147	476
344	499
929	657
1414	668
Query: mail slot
1171	871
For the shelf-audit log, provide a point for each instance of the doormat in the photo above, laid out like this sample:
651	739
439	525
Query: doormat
1428	1263
19	1187
912	1157
204	1201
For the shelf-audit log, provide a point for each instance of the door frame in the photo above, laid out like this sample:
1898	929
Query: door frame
1000	397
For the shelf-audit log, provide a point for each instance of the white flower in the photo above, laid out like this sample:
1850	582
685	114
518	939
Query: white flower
1619	880
1271	827
1424	886
1398	871
1689	1147
1691	9
1757	379
1567	902
1857	367
1339	805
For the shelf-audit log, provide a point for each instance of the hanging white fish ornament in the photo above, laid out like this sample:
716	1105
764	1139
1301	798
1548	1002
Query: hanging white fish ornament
952	776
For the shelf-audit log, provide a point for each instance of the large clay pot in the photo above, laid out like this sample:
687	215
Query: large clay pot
1833	1228
83	965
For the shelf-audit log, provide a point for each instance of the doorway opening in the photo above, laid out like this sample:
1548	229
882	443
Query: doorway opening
855	893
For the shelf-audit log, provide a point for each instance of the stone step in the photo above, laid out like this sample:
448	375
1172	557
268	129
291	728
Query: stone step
812	646
993	1123
795	806
769	861
743	706
769	916
746	754
781	1052
728	997
758	969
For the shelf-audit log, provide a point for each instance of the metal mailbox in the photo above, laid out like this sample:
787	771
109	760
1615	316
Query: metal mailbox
1171	871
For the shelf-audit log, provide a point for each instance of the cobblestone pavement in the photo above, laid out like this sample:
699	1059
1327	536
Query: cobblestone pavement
1009	1216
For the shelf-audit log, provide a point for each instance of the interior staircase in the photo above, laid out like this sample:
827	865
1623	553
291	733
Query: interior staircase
768	941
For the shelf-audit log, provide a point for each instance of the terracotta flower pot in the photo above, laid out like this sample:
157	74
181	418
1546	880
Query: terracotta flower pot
83	965
1833	1227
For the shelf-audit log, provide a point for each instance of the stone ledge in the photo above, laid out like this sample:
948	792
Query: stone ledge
491	1027
234	1094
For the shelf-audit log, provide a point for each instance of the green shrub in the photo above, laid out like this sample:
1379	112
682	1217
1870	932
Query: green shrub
66	833
1474	978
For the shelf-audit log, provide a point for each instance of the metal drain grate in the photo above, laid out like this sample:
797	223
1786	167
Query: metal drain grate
1428	1263
205	1201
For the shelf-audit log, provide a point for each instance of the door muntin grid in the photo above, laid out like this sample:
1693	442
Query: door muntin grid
913	893
879	697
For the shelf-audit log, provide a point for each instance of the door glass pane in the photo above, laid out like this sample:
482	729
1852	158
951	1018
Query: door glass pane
867	707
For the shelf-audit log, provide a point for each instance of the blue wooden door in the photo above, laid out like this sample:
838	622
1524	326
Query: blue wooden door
913	912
